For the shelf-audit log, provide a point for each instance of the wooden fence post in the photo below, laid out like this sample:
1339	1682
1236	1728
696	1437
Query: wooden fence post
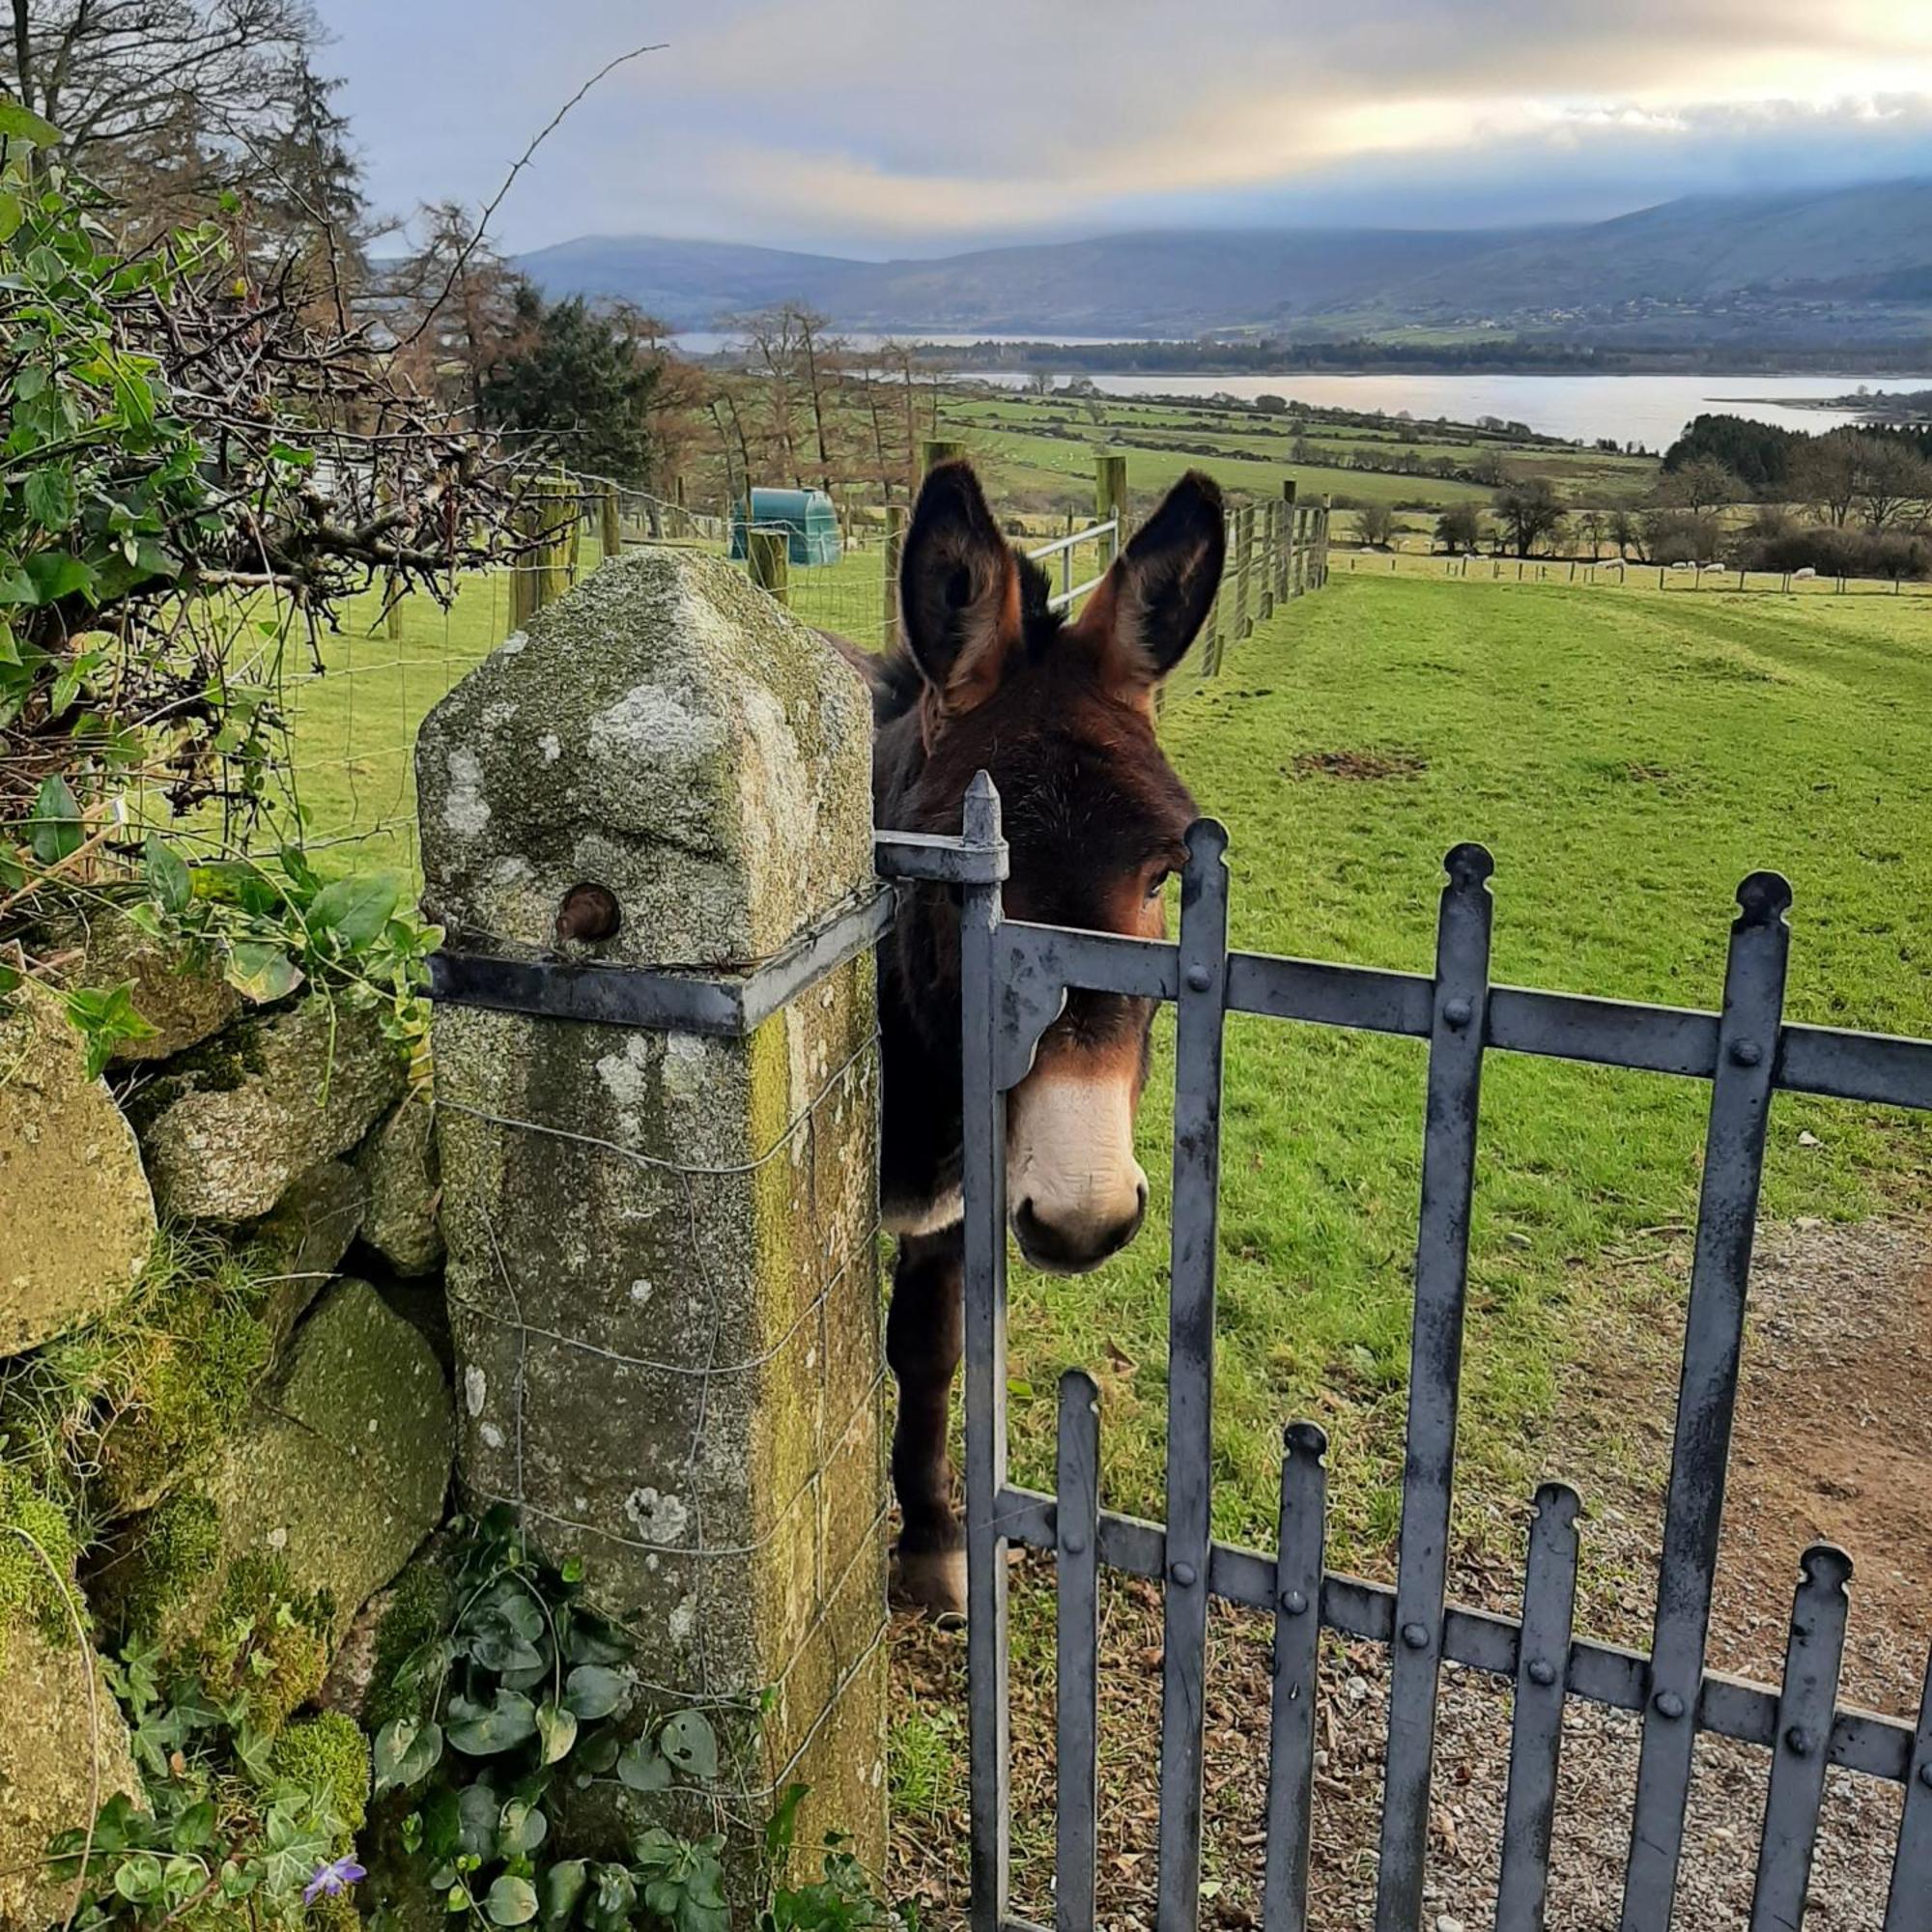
527	527
896	522
611	513
1322	544
1110	497
936	449
1244	546
769	556
1291	545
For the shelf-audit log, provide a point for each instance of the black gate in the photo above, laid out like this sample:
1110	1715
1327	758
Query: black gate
1015	979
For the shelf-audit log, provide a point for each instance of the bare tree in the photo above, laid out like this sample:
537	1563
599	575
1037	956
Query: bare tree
1894	484
1374	524
1825	475
162	99
1702	484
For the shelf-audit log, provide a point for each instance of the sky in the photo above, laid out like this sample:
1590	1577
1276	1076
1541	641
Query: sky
878	128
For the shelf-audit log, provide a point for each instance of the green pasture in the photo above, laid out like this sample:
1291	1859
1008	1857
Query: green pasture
1628	756
1044	445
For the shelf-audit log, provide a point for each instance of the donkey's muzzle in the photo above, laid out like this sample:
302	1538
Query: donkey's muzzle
1073	1248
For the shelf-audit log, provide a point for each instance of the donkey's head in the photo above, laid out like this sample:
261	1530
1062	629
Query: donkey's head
1061	713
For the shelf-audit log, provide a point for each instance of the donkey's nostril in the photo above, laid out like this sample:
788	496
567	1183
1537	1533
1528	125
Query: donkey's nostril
1073	1250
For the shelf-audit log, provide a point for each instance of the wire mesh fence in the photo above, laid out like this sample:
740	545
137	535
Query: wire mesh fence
351	705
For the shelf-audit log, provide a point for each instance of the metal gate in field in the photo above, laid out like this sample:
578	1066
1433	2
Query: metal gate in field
1015	979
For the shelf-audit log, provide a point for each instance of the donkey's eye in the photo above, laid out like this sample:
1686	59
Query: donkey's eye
1157	883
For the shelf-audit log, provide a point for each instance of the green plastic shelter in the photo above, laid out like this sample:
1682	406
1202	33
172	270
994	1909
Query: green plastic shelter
806	516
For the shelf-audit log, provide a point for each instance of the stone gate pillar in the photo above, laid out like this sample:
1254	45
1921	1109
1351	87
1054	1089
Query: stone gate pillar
659	1205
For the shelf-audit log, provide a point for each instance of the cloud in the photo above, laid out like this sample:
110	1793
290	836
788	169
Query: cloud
878	126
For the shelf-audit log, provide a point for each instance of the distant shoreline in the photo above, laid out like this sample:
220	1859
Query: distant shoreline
1149	356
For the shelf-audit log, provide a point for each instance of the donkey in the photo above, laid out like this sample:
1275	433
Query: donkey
1061	713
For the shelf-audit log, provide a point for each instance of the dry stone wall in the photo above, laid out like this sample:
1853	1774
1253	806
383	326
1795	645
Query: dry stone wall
206	1425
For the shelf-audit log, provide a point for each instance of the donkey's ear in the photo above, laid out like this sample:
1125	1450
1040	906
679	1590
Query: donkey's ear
1156	598
960	589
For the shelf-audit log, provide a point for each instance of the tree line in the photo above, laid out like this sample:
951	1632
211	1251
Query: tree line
1848	501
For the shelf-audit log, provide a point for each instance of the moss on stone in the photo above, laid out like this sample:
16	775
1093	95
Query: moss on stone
34	1527
267	1645
180	1542
130	1404
194	1389
327	1753
419	1612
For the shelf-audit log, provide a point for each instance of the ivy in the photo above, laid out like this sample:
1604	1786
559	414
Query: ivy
216	1823
526	1695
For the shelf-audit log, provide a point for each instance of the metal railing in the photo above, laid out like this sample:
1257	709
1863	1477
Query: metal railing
1107	536
1015	978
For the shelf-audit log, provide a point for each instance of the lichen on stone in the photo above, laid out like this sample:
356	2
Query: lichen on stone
80	1216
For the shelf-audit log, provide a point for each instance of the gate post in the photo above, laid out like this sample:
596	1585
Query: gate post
663	1271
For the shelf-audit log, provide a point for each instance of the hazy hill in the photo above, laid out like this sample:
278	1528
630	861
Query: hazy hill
1854	242
1870	245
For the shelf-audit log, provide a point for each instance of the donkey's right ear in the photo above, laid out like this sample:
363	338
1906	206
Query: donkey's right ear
960	589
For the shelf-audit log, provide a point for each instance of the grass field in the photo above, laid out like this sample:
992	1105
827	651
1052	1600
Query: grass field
1628	756
1044	446
1627	759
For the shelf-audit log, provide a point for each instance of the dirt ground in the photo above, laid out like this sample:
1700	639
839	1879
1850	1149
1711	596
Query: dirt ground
1834	1441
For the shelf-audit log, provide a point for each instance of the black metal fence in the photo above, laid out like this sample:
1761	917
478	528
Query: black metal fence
1015	979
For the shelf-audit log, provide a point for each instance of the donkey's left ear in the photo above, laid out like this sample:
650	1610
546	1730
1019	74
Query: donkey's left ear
1151	604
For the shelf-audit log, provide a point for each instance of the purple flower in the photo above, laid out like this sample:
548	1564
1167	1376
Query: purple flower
334	1877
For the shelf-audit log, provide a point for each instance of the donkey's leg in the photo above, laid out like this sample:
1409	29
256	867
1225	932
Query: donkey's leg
924	1337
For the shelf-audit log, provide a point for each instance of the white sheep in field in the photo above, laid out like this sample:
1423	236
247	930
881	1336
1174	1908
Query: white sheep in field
1804	576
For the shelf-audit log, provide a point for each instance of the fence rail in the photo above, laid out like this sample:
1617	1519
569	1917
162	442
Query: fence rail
1015	979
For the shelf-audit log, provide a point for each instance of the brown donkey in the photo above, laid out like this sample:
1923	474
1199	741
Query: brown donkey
1061	713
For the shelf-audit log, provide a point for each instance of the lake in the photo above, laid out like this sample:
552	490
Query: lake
1650	409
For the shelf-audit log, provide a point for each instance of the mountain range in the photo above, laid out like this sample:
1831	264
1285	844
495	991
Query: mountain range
1854	260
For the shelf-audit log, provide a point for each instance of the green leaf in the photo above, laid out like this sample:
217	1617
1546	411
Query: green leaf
139	1879
17	588
9	223
563	1886
55	575
512	1720
641	1768
58	831
22	124
167	875
782	1831
48	496
520	1830
356	909
261	971
511	1901
690	1744
406	1753
594	1691
477	1811
557	1728
104	1017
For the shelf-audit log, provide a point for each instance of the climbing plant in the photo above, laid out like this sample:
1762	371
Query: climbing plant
199	463
522	1694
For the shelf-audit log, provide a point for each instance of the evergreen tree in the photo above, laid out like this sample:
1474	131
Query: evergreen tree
572	377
